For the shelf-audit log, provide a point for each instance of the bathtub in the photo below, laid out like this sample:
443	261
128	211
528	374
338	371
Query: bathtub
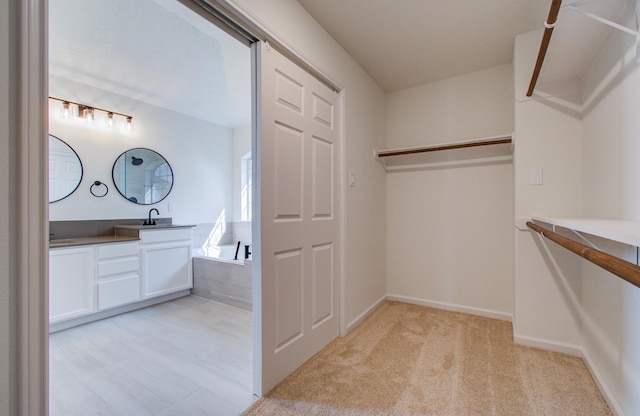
217	276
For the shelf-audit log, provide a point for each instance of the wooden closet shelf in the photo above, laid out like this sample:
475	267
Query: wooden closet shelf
490	150
625	270
445	146
621	231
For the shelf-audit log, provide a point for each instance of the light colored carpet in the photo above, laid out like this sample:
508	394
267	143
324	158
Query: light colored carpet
412	360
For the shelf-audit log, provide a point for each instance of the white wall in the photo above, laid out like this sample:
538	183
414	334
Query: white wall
611	175
466	107
363	132
547	137
449	229
241	146
591	169
199	153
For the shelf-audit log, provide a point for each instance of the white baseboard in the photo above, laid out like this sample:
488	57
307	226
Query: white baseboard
578	351
366	313
549	345
452	307
602	385
59	326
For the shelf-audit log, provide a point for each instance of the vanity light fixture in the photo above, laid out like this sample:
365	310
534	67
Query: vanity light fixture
66	109
90	114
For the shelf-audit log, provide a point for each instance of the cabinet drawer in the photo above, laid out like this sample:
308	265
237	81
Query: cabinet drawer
118	292
161	236
108	251
108	268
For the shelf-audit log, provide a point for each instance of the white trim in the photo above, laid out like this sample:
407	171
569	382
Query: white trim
365	314
32	216
342	308
256	223
61	326
547	344
602	384
487	313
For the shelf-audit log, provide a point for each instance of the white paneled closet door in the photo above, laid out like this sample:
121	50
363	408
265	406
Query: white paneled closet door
300	244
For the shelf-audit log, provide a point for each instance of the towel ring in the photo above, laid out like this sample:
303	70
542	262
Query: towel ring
97	184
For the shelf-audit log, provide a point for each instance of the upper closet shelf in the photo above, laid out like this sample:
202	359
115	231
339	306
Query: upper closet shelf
622	231
578	28
486	150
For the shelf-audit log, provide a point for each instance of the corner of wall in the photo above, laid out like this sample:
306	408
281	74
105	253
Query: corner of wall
547	138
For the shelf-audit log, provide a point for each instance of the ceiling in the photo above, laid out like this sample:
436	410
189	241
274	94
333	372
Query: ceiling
159	52
405	43
155	51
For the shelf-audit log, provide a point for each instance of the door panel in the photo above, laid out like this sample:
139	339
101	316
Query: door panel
288	281
287	181
322	283
322	180
299	247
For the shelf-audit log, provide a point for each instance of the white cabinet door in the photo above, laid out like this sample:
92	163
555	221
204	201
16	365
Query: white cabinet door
71	283
166	269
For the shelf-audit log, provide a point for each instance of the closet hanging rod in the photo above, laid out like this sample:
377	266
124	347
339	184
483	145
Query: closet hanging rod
435	148
621	268
546	38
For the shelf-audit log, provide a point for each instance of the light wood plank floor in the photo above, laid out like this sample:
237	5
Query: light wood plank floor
186	357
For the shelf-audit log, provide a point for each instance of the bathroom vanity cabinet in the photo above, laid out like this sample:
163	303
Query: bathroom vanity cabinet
95	280
118	275
166	261
90	278
71	286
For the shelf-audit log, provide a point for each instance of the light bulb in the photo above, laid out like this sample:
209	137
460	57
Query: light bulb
129	126
66	110
89	115
110	120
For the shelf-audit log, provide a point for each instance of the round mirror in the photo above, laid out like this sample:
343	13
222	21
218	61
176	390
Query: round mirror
65	170
142	176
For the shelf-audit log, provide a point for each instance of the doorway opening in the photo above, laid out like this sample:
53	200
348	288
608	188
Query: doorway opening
150	77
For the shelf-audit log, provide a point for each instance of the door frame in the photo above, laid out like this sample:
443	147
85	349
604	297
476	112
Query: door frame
30	276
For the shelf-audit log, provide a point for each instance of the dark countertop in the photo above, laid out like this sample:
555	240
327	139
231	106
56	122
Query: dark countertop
83	241
117	234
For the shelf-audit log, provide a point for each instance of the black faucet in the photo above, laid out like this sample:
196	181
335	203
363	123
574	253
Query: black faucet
150	221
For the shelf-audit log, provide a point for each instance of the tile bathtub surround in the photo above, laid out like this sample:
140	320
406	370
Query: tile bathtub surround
228	283
189	356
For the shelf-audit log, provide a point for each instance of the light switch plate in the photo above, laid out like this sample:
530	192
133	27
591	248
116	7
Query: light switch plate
535	176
